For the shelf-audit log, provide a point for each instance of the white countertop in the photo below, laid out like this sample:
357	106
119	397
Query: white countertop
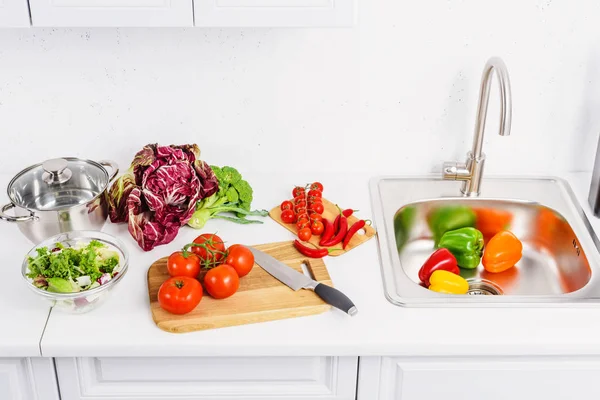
123	325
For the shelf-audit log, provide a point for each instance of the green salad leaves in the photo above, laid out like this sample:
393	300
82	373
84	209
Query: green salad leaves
73	269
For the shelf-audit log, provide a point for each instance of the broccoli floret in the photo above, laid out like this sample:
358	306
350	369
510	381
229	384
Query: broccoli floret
231	175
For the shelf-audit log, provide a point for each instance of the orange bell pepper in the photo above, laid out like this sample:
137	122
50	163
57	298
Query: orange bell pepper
502	252
490	221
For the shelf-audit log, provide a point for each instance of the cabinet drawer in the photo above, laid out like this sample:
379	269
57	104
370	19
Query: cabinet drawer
495	378
222	378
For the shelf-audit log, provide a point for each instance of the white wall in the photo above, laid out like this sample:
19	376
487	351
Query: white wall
397	94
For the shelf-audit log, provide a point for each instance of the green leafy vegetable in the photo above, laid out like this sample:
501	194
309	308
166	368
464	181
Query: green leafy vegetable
59	268
234	196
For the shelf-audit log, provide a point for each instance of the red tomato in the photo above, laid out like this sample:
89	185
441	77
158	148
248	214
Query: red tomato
302	223
303	215
317	207
316	227
298	191
300	204
299	199
315	193
317	186
178	265
288	216
211	249
286	205
300	210
315	217
179	295
240	258
304	234
312	200
221	281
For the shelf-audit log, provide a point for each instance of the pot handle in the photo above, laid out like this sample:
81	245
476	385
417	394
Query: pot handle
10	218
112	165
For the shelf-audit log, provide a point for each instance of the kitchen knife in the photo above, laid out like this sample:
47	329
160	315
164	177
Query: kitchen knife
296	280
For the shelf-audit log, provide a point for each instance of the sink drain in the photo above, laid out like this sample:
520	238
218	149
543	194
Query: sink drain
483	288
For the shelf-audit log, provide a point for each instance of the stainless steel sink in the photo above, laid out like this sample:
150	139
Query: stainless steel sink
560	263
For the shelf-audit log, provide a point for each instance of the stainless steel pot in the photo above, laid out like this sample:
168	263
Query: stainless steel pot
59	195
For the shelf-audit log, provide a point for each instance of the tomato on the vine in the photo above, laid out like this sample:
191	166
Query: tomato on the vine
300	204
298	191
179	264
180	294
315	217
209	248
300	210
312	200
221	281
240	258
317	207
317	186
286	205
316	227
302	223
298	199
315	193
288	216
304	234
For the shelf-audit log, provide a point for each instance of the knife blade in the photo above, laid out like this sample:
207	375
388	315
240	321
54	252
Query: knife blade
296	281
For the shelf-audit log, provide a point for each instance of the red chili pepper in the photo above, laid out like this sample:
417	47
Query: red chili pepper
327	232
339	236
353	229
336	223
348	212
309	251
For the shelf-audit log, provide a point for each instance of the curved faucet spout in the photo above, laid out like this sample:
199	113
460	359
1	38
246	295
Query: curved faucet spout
494	64
471	172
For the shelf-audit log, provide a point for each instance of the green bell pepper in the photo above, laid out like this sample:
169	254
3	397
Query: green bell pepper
466	244
449	218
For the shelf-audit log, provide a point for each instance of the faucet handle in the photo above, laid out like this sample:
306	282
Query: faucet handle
455	171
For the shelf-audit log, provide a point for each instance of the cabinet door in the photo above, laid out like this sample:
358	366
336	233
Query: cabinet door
208	378
14	13
27	379
117	13
495	378
275	13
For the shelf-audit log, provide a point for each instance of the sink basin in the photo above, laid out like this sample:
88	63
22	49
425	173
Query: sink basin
560	262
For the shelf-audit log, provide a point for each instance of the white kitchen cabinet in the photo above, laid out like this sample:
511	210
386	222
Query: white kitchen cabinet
27	379
111	13
475	378
14	13
208	378
275	13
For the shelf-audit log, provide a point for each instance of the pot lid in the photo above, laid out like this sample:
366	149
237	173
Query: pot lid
58	184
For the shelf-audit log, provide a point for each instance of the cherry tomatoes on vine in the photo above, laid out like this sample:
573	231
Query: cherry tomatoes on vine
286	205
288	216
304	234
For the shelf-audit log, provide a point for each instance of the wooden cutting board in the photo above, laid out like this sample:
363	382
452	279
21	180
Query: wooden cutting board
330	213
259	298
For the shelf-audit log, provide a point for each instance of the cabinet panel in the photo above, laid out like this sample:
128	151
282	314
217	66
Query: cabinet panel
14	13
27	379
116	13
275	13
554	378
223	378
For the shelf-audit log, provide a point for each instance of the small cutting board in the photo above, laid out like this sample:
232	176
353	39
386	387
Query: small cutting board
259	298
330	213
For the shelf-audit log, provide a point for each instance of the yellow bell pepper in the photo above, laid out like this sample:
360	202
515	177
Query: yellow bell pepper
446	282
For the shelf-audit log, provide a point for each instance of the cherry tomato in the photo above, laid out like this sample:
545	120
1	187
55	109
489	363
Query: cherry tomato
302	223
301	204
304	234
316	227
317	207
317	186
303	215
299	199
286	205
178	265
315	193
300	210
180	294
211	249
221	281
288	216
298	191
313	199
315	217
240	258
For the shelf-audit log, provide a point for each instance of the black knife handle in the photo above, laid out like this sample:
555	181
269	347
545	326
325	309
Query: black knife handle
336	298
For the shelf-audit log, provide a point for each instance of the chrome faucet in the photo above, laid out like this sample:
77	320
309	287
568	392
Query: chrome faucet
471	172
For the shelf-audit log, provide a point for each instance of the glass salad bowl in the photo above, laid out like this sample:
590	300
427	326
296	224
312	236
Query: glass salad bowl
91	293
